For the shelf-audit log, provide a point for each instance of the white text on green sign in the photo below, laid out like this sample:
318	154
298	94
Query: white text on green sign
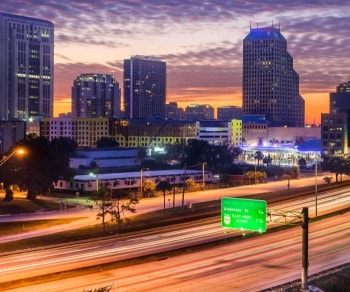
245	214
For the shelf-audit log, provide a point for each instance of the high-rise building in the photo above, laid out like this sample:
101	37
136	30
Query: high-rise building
227	113
173	112
26	67
199	112
334	134
270	84
95	96
144	87
340	100
335	125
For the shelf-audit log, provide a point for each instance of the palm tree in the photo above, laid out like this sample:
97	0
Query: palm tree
258	156
164	186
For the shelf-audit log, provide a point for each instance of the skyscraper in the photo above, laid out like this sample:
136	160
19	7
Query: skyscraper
95	96
270	84
26	67
340	99
144	87
335	125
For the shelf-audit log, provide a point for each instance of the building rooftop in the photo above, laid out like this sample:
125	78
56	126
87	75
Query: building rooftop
264	33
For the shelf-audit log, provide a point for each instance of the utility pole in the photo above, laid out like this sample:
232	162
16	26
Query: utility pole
305	248
174	186
183	188
316	184
203	178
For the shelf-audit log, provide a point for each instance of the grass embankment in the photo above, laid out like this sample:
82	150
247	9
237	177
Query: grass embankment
24	206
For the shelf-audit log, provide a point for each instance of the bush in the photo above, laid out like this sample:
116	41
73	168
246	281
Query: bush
327	179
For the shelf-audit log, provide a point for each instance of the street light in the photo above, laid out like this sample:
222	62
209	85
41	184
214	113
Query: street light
92	174
19	151
203	178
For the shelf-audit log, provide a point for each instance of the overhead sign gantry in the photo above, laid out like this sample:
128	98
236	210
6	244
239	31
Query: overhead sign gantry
244	214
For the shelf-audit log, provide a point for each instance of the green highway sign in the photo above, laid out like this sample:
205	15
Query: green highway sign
245	214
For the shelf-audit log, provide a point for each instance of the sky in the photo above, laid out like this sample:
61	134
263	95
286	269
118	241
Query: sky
201	42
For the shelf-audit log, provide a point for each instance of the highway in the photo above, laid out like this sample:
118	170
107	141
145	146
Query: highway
258	250
252	264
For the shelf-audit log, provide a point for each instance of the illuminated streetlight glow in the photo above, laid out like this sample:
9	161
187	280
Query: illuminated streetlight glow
19	151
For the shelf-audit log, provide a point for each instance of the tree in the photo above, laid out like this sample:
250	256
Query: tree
267	160
123	202
255	176
104	202
114	203
164	186
40	167
302	163
141	155
336	165
236	152
64	145
196	151
148	187
258	156
217	157
191	185
106	142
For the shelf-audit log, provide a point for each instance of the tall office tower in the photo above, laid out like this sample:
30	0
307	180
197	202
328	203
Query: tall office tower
340	100
270	84
144	87
26	67
95	96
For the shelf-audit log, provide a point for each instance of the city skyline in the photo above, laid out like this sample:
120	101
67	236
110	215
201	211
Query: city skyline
201	43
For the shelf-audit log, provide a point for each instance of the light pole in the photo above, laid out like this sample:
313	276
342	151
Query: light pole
183	188
141	181
203	178
255	171
96	176
97	186
316	184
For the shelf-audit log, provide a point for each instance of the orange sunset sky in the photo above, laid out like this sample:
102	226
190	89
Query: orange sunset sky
201	42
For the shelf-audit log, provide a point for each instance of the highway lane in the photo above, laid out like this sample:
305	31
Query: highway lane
63	258
249	265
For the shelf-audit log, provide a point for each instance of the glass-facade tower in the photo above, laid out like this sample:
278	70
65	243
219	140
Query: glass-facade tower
144	87
270	84
95	96
26	67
